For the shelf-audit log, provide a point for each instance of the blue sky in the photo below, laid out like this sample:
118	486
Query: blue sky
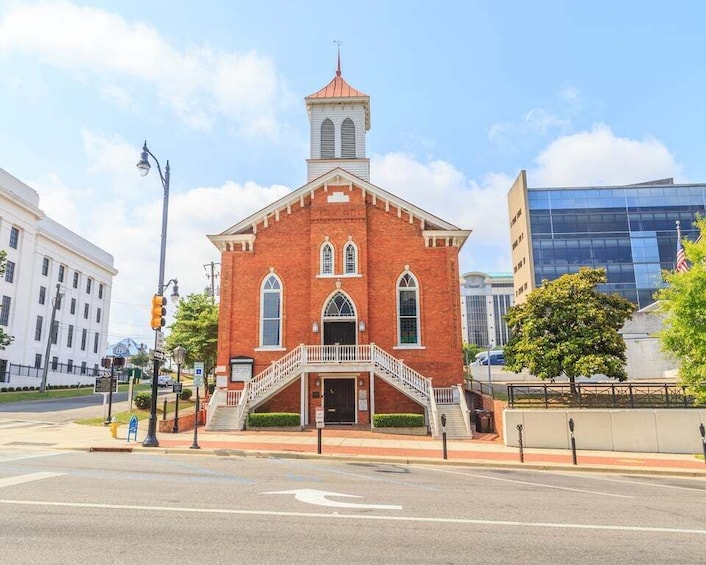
463	96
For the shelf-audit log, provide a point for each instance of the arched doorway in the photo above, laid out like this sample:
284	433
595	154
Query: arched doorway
339	321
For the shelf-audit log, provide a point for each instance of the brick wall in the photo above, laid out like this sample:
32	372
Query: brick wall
387	244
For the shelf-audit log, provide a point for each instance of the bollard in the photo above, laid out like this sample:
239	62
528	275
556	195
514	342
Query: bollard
519	434
702	431
164	410
443	436
318	442
573	441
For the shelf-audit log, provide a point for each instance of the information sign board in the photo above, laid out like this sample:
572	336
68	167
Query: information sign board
177	387
198	374
103	385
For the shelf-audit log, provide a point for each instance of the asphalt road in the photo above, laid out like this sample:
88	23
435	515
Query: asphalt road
75	507
65	409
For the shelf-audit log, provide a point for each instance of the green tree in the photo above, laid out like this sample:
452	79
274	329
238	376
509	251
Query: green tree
141	359
5	339
566	327
195	328
684	303
470	350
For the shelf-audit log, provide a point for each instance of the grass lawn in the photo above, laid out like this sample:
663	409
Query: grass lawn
185	407
59	393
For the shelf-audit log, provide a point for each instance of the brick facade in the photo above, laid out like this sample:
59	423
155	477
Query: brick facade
392	237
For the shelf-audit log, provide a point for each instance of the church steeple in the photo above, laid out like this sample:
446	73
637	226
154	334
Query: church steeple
339	117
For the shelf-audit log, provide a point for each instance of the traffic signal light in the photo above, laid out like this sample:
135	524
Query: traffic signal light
158	311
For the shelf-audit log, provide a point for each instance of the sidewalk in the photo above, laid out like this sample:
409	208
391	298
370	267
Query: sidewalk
482	451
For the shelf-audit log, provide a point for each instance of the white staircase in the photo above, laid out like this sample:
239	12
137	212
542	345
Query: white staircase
327	358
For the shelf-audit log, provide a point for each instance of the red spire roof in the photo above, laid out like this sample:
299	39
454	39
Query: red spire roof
337	88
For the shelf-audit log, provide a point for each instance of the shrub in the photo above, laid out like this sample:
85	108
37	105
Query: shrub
143	400
25	388
11	389
185	394
3	389
272	419
398	420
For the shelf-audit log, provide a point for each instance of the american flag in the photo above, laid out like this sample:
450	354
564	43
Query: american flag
681	267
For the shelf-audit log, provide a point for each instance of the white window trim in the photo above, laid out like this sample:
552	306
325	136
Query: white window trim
262	308
418	344
348	245
324	245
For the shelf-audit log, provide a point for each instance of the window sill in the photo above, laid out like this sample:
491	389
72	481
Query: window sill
340	276
411	346
272	348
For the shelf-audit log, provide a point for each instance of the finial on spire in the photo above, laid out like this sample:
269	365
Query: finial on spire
338	68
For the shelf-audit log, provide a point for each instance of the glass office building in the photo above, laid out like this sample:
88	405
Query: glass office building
628	230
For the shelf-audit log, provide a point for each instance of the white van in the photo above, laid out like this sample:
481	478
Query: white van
497	357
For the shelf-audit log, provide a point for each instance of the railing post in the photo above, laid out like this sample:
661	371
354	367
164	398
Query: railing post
546	397
511	395
612	395
666	393
578	392
632	398
305	352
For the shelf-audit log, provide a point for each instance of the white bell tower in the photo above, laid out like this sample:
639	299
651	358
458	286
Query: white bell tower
339	117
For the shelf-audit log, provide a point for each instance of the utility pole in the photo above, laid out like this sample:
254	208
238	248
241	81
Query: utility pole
55	306
212	277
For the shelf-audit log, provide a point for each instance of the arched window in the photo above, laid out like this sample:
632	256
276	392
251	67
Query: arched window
350	259
327	259
327	139
408	310
339	307
271	312
348	139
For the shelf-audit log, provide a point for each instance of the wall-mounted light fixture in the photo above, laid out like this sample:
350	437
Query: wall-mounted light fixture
361	382
315	327
317	382
361	326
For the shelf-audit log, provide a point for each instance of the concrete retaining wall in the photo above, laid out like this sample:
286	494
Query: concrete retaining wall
639	430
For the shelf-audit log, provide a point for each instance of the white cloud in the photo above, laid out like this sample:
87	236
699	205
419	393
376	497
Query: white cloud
600	157
198	83
441	189
124	219
586	158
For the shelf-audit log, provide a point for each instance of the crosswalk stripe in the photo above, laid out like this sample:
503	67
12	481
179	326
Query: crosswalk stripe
18	480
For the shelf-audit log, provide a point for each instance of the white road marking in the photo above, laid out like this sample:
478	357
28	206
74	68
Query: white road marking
228	511
19	479
490	478
654	485
9	455
318	497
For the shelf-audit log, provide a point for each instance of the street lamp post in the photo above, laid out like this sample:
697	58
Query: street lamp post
143	166
178	354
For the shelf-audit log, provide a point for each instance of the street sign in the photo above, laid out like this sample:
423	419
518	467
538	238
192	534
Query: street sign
159	355
103	385
160	341
198	374
319	416
177	387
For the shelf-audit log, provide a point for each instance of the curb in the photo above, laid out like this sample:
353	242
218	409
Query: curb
400	460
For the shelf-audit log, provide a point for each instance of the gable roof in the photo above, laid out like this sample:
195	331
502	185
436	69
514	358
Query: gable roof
432	225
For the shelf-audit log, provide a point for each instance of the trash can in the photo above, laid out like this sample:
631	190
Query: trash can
484	421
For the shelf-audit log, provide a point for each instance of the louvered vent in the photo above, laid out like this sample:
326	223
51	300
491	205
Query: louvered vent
327	139
348	139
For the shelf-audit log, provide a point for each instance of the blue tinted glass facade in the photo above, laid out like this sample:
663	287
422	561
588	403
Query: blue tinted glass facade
629	231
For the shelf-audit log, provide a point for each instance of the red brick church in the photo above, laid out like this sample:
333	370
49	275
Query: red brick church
340	295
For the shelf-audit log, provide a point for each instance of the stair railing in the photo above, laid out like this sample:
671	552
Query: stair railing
464	409
398	370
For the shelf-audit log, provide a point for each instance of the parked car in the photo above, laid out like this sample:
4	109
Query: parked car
164	380
497	357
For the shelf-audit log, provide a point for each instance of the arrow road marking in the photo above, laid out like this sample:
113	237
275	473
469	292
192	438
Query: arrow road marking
18	480
318	497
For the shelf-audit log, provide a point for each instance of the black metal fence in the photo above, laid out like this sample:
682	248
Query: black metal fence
12	369
599	395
